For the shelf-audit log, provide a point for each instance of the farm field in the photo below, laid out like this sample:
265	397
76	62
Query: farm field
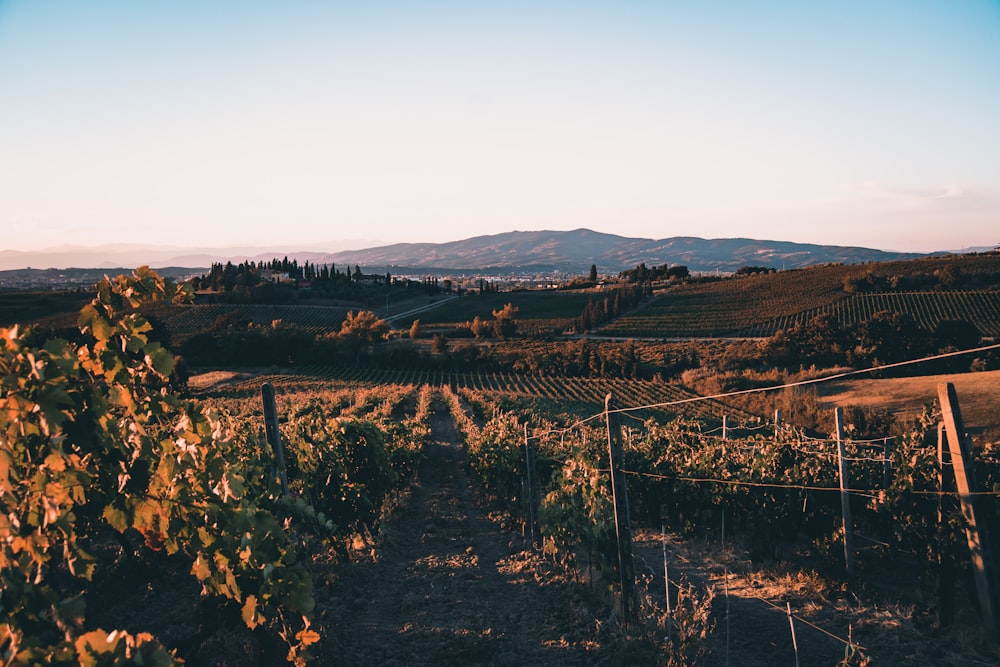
721	308
186	320
417	477
709	311
760	304
548	311
583	396
980	308
978	396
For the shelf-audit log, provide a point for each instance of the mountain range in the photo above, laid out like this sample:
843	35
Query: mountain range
517	252
575	251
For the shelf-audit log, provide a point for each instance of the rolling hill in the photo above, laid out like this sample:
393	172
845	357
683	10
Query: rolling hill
574	252
516	252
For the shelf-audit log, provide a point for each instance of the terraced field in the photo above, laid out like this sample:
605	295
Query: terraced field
728	311
723	308
981	308
584	396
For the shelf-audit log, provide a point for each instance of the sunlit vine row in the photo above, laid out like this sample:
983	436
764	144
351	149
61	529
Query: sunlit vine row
928	309
103	466
778	492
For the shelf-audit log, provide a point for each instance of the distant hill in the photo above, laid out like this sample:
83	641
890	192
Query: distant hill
111	256
574	252
549	252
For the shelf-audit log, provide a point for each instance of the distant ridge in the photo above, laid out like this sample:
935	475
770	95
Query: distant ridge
570	252
574	251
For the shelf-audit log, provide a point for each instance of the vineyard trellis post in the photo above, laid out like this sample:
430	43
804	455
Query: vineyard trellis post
272	432
791	625
529	466
886	463
845	498
666	576
961	463
946	571
619	494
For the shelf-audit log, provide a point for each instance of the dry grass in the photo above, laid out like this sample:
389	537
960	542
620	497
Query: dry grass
978	398
213	379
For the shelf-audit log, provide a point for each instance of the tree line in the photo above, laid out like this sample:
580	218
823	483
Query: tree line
280	281
604	308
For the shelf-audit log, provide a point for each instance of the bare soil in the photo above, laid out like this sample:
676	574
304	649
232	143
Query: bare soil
451	584
215	379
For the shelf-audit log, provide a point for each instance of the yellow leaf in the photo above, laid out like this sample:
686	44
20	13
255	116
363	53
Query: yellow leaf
307	637
250	614
200	569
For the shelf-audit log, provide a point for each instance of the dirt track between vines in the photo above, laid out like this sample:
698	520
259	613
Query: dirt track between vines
450	584
453	586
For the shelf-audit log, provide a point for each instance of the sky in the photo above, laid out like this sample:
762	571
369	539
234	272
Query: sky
300	124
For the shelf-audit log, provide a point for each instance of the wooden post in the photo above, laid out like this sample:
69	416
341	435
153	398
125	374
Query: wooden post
726	571
946	573
886	463
273	434
725	434
845	499
961	463
619	493
791	624
666	581
529	462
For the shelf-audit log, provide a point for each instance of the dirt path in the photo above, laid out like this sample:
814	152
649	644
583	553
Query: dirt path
454	587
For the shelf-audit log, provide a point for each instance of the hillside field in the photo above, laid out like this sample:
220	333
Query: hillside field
978	396
442	493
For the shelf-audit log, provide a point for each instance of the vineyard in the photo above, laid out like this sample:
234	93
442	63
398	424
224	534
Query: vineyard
108	477
725	307
563	394
929	309
775	496
145	525
772	493
759	305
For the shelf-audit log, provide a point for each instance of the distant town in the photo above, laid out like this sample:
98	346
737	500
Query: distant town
84	279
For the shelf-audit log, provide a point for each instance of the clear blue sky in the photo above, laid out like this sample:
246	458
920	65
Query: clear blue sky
294	124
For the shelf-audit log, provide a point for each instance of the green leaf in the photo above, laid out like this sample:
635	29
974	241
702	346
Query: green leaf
161	359
99	327
121	396
50	404
73	608
116	518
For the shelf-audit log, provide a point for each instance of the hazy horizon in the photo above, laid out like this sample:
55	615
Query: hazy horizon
209	124
132	255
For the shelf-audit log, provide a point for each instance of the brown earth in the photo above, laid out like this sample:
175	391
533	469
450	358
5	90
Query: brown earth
453	585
